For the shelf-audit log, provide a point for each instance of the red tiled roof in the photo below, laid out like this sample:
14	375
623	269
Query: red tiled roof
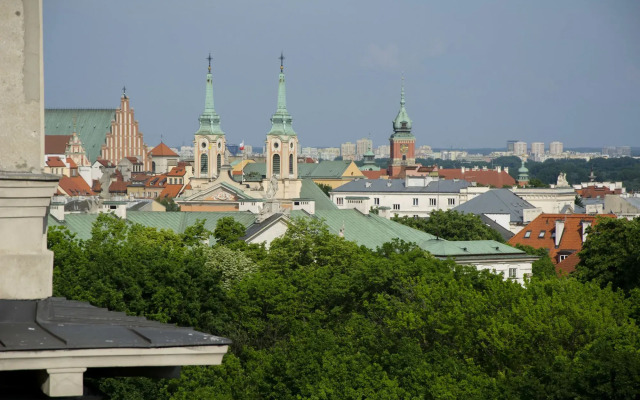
374	174
570	241
134	160
156	181
72	164
55	162
170	191
568	265
592	192
162	150
118	187
56	144
179	171
105	163
96	186
75	186
487	177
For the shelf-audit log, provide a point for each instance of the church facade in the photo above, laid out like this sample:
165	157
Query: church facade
402	142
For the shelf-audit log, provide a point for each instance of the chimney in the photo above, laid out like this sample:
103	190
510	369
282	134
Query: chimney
506	169
462	169
585	225
559	231
498	169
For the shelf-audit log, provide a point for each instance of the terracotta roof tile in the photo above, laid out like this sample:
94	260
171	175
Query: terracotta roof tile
591	192
105	163
162	150
72	164
374	174
118	187
56	144
568	265
75	186
55	162
179	171
540	233
170	191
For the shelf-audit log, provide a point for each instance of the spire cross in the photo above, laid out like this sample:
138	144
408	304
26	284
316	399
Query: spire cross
209	58
281	61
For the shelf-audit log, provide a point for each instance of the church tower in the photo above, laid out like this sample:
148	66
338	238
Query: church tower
402	142
282	141
209	142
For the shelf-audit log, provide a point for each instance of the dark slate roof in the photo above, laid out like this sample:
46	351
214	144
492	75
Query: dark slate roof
60	324
260	226
398	186
91	125
505	233
496	201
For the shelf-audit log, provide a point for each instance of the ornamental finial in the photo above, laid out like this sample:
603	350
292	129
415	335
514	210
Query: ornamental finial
124	91
209	58
281	61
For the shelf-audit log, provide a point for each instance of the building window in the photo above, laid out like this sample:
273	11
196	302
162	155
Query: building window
541	235
396	206
451	201
513	272
562	257
432	202
291	164
415	201
276	164
376	201
339	201
153	166
527	234
204	163
219	162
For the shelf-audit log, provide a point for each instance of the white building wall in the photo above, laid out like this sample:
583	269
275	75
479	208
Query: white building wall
401	204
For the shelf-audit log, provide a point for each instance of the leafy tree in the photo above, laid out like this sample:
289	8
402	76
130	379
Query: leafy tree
578	201
537	183
325	188
452	225
169	204
543	267
228	230
611	254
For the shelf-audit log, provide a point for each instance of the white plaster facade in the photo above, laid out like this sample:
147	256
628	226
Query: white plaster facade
549	200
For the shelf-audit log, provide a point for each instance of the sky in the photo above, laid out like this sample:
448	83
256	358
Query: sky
476	73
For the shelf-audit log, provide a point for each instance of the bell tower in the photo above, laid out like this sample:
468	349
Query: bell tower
282	142
402	142
209	141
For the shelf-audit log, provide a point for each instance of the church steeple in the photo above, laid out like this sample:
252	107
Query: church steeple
281	119
209	119
402	123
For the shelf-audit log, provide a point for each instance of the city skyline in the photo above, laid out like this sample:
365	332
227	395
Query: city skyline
475	75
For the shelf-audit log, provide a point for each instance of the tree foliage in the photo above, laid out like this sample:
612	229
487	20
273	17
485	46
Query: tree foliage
316	316
452	225
325	188
611	254
228	230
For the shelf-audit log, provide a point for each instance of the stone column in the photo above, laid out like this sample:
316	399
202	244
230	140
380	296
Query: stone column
25	192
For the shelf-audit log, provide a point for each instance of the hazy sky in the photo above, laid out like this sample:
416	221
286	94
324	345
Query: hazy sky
477	73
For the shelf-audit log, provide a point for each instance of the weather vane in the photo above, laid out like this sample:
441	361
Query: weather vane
281	61
209	58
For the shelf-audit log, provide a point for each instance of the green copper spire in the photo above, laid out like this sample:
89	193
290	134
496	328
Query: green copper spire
209	119
281	119
402	123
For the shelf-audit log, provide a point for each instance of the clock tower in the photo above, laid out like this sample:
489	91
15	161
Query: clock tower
402	142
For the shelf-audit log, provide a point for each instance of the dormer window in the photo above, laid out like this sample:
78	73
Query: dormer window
527	234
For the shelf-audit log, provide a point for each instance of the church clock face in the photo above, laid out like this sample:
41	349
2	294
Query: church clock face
404	148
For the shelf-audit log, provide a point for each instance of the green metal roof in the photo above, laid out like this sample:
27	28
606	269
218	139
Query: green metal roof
311	191
92	126
323	169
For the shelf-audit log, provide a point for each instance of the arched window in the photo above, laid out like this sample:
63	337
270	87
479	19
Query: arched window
404	157
291	164
276	164
219	162
153	166
204	163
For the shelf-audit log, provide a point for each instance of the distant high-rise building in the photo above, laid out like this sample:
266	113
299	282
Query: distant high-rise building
382	151
510	145
362	146
620	151
520	148
555	148
537	148
348	151
624	151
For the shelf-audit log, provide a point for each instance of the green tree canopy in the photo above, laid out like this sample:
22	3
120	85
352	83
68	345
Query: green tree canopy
611	254
228	230
452	225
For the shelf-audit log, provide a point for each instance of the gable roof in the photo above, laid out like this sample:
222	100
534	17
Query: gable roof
92	126
542	233
487	177
162	150
310	190
55	162
56	144
170	191
496	201
324	169
75	186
